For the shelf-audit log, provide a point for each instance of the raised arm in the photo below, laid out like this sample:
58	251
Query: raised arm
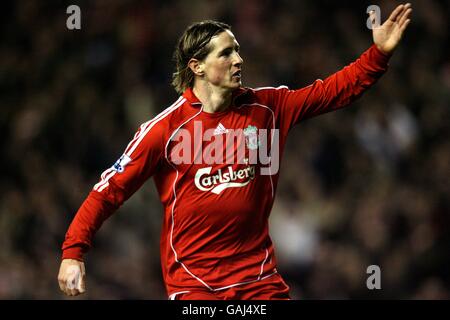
345	86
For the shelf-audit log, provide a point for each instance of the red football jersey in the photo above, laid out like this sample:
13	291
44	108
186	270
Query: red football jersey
215	231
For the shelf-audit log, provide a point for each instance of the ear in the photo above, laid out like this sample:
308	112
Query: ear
196	66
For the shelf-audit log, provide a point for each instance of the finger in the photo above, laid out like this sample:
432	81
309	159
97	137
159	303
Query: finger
73	292
74	277
405	16
72	282
396	13
67	291
408	5
82	284
404	26
82	288
60	282
61	285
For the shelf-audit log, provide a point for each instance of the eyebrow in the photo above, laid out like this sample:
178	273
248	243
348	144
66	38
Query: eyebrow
236	47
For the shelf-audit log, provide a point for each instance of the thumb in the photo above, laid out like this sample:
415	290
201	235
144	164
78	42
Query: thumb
82	282
82	285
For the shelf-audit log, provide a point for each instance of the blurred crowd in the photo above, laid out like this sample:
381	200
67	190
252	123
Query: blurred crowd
366	185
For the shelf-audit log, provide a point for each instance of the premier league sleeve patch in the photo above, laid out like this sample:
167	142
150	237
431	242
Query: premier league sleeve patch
120	164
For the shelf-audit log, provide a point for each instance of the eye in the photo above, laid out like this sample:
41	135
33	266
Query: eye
226	52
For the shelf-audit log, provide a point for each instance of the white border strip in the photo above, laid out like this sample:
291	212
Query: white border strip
246	282
266	88
174	295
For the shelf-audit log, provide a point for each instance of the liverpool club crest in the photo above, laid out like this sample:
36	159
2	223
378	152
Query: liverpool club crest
251	137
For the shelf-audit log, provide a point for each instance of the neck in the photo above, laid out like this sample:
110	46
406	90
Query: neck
213	99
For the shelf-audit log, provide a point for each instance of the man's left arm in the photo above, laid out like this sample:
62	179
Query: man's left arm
346	85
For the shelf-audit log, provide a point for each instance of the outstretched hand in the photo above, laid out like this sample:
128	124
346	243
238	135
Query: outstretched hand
388	35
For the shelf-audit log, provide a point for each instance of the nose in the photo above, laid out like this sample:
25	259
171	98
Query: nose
238	61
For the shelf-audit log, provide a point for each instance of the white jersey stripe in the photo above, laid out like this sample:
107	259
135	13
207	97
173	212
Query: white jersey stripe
246	282
144	129
104	181
107	171
262	265
103	187
175	200
173	296
266	88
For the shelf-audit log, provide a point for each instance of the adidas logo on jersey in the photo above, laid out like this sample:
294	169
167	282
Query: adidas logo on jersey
220	129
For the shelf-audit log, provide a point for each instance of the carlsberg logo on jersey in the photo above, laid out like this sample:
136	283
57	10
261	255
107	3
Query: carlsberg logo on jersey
222	180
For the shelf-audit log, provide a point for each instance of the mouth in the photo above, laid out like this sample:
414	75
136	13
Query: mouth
237	74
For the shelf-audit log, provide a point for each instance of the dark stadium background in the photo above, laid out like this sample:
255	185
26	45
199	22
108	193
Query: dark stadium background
365	185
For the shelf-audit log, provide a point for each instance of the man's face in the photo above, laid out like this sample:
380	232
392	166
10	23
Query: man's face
222	66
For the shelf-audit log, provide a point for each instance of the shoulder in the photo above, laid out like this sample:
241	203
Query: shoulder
159	126
268	89
264	95
265	92
166	118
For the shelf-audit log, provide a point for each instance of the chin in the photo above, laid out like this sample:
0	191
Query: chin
237	85
233	86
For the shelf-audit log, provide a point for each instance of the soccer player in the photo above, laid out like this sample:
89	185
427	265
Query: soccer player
215	242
